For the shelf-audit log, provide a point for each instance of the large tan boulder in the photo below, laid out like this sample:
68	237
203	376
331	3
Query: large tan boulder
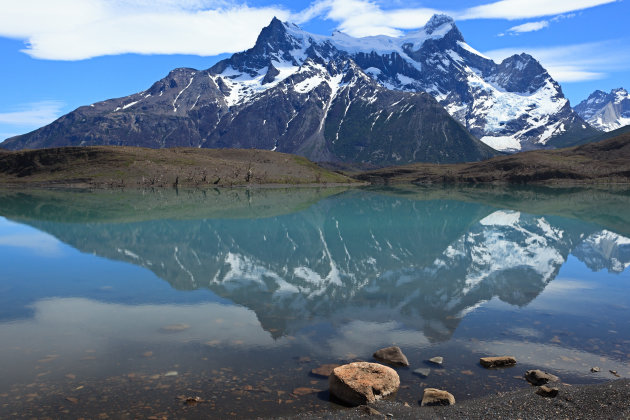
361	383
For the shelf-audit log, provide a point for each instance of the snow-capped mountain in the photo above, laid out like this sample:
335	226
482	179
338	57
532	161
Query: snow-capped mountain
606	111
339	98
511	106
279	95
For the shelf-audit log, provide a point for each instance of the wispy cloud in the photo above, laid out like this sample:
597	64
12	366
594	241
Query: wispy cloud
575	63
527	9
34	114
530	26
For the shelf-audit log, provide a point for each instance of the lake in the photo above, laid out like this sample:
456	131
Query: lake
123	304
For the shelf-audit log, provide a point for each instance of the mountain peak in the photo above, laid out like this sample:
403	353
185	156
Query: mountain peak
441	28
274	31
437	21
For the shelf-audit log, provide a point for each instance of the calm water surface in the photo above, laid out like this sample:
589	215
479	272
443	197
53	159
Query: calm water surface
122	304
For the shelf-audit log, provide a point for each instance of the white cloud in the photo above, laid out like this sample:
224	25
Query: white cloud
33	114
574	63
525	9
80	29
530	26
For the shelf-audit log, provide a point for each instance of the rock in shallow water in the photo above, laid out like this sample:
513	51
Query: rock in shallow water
500	361
361	383
438	360
433	396
392	356
538	377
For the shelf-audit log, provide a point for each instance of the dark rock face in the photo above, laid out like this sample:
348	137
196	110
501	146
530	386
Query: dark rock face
606	111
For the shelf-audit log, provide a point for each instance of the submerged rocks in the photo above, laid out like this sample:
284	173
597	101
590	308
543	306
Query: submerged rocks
538	377
423	372
324	370
495	362
361	383
392	356
433	396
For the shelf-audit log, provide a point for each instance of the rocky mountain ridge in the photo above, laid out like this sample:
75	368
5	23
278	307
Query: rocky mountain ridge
606	111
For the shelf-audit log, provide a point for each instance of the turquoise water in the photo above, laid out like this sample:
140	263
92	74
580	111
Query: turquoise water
124	303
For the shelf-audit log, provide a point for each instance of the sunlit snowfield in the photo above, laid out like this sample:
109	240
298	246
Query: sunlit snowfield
126	303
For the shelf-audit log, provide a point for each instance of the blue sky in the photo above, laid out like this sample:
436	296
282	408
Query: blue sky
57	55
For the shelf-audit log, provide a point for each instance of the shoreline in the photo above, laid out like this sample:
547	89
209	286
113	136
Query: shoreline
606	400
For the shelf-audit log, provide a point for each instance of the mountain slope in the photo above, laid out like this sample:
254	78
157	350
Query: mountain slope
265	98
606	111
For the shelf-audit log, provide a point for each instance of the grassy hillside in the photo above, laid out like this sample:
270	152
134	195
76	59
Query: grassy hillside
603	162
131	167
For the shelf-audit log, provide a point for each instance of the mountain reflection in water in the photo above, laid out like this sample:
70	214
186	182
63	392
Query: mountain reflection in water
418	257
